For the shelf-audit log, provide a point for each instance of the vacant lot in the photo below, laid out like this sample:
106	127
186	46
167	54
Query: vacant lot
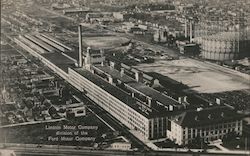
104	42
200	76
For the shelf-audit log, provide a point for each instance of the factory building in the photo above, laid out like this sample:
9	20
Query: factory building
125	95
190	49
76	109
204	124
134	104
133	113
118	16
77	11
99	17
89	56
189	28
161	36
51	59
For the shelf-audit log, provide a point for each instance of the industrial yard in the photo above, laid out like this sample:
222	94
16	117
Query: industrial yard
201	77
104	42
146	78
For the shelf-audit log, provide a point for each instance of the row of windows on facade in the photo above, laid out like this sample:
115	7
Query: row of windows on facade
214	127
204	134
118	110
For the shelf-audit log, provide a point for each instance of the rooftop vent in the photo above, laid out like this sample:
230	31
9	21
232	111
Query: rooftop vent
196	118
218	101
199	109
222	114
209	116
122	72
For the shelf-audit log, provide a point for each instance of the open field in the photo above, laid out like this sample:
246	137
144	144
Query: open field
200	76
104	42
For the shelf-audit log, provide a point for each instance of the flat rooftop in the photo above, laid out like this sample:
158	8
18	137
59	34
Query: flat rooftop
165	100
208	116
116	74
140	87
8	50
73	54
59	60
201	77
119	94
104	42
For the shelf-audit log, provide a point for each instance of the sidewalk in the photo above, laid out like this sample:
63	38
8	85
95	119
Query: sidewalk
222	150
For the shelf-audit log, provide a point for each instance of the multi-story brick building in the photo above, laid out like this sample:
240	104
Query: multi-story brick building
204	124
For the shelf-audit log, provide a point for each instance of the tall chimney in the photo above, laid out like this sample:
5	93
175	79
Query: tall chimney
191	31
186	27
80	45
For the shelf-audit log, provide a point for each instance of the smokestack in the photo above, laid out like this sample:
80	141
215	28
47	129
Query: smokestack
80	45
191	31
186	27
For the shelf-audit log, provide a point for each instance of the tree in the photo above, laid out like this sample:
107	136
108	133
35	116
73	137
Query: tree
52	110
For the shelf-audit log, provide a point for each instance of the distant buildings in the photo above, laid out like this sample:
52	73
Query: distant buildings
99	17
76	110
161	36
120	143
103	17
190	49
118	16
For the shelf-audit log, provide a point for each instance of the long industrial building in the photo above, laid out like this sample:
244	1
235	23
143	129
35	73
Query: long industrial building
122	92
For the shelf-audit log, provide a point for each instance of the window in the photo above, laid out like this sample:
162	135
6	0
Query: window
239	123
169	125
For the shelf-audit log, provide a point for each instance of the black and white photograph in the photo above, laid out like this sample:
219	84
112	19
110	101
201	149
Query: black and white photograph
125	78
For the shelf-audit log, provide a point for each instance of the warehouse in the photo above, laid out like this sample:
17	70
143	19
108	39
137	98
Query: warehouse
136	115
